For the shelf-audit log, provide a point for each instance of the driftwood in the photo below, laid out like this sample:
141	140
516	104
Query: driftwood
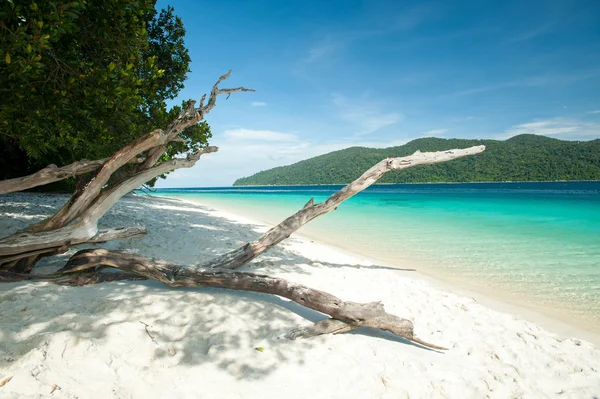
52	174
76	223
310	211
350	315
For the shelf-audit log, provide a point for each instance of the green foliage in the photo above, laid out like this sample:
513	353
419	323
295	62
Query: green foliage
521	158
79	79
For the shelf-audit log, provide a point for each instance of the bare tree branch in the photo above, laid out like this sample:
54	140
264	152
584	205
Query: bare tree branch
310	211
10	261
212	99
86	228
327	326
12	247
53	173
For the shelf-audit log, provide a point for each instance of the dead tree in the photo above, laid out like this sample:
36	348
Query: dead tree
76	222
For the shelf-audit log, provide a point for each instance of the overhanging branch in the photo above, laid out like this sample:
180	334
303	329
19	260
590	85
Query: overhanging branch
49	174
85	229
310	211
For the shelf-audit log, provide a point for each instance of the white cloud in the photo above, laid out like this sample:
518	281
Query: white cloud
567	128
594	112
477	90
533	33
366	117
464	119
435	132
258	104
258	135
411	17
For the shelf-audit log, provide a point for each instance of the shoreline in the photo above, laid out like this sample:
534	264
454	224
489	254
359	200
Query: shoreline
386	184
145	339
493	299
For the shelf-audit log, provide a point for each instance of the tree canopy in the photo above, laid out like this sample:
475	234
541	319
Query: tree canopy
525	157
79	79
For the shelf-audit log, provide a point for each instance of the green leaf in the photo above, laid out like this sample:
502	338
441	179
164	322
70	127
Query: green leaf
91	111
260	348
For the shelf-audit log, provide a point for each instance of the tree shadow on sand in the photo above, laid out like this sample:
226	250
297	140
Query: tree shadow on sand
241	332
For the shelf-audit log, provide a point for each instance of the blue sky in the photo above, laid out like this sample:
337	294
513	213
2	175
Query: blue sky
334	74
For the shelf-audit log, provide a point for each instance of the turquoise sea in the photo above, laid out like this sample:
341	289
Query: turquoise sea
535	244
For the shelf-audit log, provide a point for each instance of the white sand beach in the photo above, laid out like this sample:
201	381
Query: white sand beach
93	342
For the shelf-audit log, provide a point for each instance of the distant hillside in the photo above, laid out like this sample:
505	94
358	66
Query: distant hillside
525	157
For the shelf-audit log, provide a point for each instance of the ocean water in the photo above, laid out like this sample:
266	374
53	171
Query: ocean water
535	244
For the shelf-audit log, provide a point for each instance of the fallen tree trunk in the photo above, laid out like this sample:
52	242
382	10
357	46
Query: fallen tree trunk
53	173
310	211
76	222
85	267
81	269
86	228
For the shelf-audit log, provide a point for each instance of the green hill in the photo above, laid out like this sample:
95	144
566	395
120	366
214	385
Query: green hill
525	157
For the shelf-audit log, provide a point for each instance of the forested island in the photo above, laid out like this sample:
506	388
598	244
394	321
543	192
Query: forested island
525	157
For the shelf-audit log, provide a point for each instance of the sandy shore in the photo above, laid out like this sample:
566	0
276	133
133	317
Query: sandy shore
90	341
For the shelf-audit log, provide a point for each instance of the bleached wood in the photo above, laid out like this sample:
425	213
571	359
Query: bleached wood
327	326
82	199
49	174
53	173
111	195
86	228
155	143
76	221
